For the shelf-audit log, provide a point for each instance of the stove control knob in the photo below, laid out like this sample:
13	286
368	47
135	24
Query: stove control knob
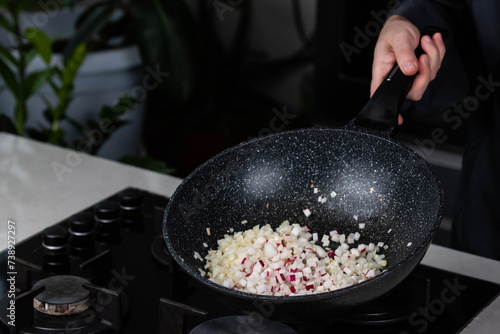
81	224
131	199
107	212
55	238
81	230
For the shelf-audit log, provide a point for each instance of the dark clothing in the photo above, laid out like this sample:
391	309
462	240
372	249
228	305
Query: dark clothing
470	77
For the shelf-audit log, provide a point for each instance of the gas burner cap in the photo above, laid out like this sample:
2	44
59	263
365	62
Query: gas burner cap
242	324
63	295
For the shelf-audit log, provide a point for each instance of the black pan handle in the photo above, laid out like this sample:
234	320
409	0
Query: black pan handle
382	110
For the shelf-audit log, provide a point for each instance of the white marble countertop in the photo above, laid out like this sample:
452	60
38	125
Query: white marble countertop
42	184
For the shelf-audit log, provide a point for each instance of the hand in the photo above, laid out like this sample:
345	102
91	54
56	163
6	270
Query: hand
397	41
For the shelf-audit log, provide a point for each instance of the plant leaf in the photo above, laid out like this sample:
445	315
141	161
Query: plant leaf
40	41
67	75
30	55
47	112
84	32
9	78
72	65
89	12
125	104
4	52
35	80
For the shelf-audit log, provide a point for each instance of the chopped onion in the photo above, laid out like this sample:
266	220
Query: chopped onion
286	261
198	256
325	240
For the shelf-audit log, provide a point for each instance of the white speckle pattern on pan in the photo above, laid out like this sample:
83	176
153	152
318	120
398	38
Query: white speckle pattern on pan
385	185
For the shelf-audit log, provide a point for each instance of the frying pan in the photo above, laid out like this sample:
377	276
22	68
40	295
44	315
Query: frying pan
378	181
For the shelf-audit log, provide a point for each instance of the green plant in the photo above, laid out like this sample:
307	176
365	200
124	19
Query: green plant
164	31
30	43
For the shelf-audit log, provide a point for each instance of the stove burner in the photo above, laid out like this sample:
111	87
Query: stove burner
63	295
242	324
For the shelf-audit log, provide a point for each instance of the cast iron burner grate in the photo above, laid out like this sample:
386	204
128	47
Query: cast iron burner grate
63	295
43	310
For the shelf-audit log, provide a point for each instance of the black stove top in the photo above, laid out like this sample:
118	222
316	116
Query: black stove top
106	270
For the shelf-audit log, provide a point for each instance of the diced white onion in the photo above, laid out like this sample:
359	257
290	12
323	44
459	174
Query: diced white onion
286	261
307	212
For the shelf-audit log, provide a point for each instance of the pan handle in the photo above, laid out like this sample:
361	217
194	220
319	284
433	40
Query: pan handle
381	111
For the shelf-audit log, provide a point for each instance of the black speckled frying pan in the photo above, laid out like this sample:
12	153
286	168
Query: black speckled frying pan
377	181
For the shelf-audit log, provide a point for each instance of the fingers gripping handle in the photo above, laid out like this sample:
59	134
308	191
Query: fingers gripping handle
382	110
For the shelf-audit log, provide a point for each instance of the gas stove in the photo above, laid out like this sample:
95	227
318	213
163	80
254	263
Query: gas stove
106	269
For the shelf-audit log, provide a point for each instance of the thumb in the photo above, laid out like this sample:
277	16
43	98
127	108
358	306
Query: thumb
404	50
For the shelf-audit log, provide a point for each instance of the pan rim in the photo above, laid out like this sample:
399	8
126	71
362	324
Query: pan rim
384	136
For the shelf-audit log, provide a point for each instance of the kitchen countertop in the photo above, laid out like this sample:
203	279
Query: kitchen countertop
43	184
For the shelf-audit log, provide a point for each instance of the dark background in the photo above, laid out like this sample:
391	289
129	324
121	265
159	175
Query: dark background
331	88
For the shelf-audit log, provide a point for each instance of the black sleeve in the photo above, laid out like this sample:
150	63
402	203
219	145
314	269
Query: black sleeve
452	82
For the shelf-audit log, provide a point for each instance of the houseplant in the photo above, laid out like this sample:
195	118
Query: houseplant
207	89
40	86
